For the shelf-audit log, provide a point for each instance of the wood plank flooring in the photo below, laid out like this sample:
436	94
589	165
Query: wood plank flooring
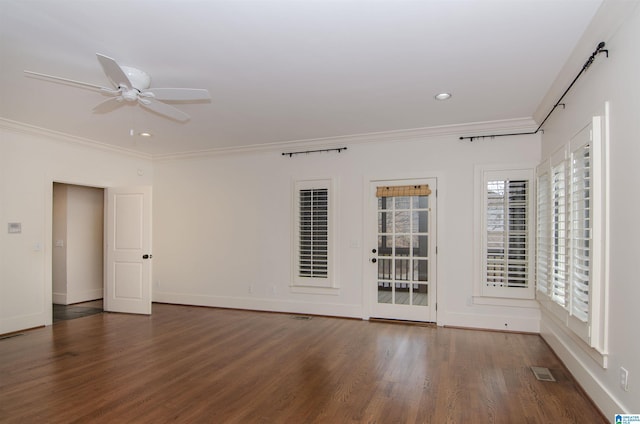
202	365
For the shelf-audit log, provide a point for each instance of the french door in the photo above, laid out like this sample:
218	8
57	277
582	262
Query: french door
402	265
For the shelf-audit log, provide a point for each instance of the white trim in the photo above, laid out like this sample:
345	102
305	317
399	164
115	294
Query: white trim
267	305
500	126
481	174
334	291
573	352
370	238
501	301
493	322
68	138
22	322
331	281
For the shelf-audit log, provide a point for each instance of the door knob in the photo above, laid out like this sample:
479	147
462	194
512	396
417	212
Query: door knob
374	260
147	256
373	250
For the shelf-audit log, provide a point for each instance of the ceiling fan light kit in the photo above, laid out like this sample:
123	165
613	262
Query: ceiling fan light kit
133	85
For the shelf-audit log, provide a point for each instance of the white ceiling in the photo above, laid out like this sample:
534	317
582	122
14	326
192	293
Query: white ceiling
281	71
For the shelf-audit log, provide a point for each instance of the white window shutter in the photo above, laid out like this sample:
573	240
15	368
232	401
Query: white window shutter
560	245
581	244
543	233
314	234
508	238
313	248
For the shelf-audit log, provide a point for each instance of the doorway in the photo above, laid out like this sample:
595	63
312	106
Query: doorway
77	251
402	265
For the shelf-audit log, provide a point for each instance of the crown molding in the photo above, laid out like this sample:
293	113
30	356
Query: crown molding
67	138
415	134
502	126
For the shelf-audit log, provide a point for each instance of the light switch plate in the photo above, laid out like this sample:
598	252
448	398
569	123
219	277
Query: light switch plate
15	228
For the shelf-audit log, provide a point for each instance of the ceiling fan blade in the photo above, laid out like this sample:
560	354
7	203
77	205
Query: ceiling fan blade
179	94
108	105
113	71
164	109
70	81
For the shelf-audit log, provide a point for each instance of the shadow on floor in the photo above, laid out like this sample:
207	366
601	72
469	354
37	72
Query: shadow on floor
67	312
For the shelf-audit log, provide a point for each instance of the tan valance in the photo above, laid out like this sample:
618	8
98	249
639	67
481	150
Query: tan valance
408	190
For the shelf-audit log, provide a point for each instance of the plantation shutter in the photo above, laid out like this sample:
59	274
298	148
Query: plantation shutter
313	249
581	232
559	235
507	224
543	233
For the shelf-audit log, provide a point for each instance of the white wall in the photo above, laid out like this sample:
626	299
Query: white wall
77	246
29	164
85	231
617	80
222	226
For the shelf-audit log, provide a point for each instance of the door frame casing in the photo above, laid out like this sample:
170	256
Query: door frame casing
367	297
48	238
46	248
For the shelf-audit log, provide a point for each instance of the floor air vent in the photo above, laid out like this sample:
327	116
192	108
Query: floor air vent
10	336
301	317
542	374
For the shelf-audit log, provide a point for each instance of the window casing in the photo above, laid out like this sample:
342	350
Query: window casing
314	235
507	243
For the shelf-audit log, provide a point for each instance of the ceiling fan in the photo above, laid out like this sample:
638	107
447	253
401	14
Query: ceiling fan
132	85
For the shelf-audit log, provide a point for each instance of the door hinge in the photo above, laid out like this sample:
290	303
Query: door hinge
436	306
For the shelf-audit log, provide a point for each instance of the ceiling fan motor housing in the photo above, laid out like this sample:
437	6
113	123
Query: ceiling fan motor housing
140	80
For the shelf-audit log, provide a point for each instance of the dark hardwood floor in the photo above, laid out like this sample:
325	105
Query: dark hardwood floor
200	365
78	310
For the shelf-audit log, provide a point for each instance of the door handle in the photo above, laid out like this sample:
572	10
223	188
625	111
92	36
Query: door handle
374	260
147	256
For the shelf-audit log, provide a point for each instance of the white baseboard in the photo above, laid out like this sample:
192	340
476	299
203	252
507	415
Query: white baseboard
59	298
22	322
490	322
269	305
84	296
583	368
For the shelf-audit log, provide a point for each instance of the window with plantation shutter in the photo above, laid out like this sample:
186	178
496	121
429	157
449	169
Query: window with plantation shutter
313	248
507	243
543	233
571	277
313	237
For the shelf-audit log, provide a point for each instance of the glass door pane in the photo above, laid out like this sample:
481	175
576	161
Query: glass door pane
403	250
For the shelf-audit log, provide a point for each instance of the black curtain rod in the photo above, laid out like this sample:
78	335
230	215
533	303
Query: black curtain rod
597	51
337	149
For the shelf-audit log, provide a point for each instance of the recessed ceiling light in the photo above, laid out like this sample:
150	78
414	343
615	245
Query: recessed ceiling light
443	96
144	134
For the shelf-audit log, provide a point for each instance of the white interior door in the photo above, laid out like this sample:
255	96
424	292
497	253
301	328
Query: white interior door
128	250
402	263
